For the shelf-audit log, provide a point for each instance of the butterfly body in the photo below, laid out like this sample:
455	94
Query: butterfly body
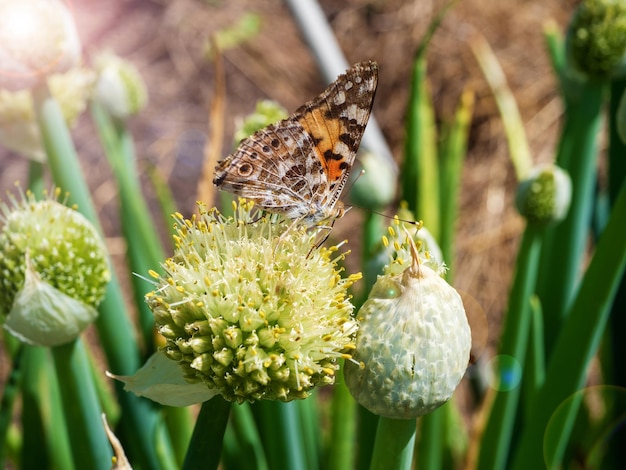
299	166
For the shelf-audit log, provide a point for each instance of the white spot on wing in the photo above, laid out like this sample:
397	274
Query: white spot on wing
340	98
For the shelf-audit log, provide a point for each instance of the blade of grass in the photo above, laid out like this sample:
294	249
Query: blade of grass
578	341
535	372
556	50
616	345
617	147
454	147
509	112
420	175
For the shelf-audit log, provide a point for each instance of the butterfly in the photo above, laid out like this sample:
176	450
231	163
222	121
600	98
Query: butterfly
299	166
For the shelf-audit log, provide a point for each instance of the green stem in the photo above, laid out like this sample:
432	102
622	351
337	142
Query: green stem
496	439
341	453
10	393
430	444
393	449
535	362
578	341
36	177
454	147
368	425
420	180
249	448
144	249
115	330
43	420
280	428
564	246
205	447
617	176
311	430
180	426
89	443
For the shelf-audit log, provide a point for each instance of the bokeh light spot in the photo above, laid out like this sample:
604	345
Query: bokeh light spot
506	372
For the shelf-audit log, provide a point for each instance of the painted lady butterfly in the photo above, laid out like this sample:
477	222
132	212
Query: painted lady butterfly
299	166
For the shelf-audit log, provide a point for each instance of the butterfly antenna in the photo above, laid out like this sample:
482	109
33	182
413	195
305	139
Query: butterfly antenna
361	173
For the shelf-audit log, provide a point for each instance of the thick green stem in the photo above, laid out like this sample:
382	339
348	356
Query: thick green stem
342	452
89	443
395	440
205	448
43	420
430	444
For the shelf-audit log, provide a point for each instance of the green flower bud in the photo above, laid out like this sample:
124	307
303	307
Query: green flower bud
37	38
120	90
18	128
544	197
251	308
267	112
413	342
596	39
53	271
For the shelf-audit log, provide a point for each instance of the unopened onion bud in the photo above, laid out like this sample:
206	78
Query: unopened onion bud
545	196
413	343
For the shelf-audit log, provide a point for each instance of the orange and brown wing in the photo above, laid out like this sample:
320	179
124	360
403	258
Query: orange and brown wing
336	120
299	166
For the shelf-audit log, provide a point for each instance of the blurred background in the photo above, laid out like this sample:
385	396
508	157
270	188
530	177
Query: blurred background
168	42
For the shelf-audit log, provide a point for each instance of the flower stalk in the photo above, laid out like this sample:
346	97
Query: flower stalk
114	327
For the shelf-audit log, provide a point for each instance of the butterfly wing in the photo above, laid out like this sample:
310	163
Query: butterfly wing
336	121
299	166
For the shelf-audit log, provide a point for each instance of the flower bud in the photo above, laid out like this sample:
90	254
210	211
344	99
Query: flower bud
413	342
37	38
544	197
120	90
18	128
251	308
54	271
596	39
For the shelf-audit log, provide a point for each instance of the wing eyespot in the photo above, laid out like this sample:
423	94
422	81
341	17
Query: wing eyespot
245	169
